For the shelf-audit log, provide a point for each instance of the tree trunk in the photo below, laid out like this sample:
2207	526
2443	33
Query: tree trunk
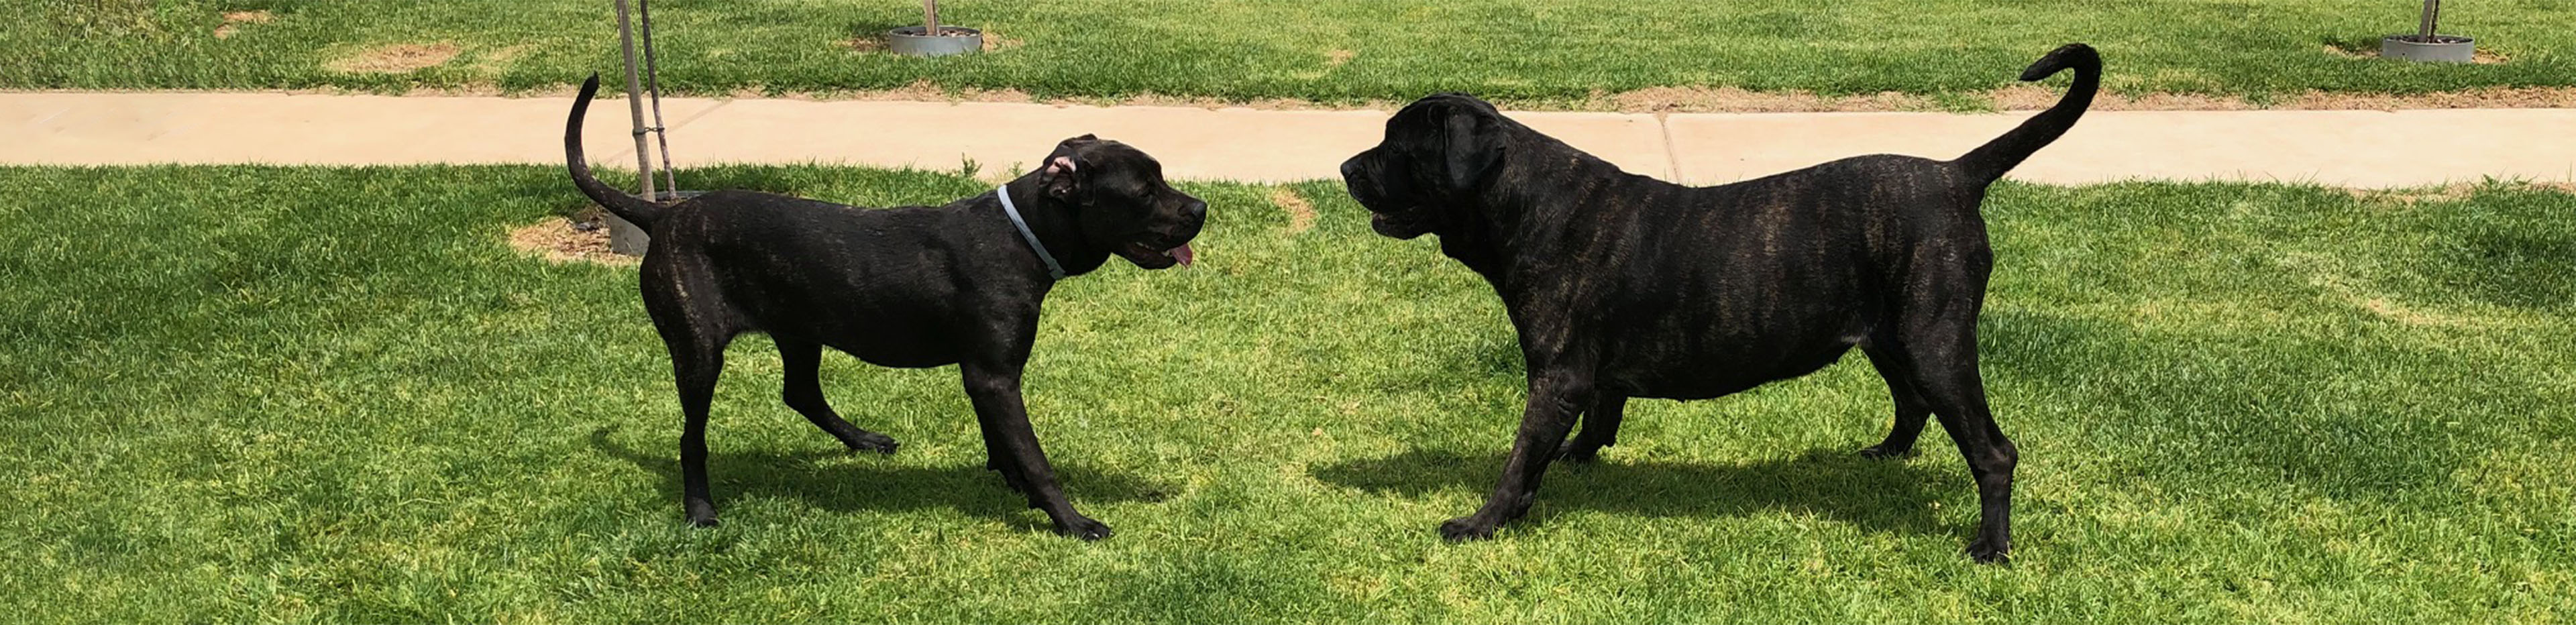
930	18
2432	14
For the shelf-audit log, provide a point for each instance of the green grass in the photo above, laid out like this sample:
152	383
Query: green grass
310	394
1528	51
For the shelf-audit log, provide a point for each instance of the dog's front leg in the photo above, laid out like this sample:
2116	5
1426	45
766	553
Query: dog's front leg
998	459
1555	398
995	390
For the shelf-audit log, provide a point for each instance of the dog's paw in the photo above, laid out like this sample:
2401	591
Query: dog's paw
1463	529
1990	552
1882	452
1083	528
702	515
1580	454
871	441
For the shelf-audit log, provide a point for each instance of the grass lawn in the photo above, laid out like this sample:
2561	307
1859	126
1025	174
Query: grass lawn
1535	52
313	394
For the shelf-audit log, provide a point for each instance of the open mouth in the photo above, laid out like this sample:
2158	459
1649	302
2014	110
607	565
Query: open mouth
1156	257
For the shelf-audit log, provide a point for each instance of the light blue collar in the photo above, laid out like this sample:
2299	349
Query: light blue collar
1054	270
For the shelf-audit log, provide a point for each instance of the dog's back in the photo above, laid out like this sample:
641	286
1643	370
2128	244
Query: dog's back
883	284
1719	289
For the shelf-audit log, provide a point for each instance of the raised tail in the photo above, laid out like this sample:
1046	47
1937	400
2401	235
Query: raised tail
633	209
1989	162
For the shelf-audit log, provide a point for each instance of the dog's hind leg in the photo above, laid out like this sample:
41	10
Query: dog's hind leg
1911	412
695	326
1600	428
803	391
697	359
1943	353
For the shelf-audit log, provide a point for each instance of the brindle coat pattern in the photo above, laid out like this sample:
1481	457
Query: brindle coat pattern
1624	286
901	287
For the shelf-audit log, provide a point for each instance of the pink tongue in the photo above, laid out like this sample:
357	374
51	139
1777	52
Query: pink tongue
1182	254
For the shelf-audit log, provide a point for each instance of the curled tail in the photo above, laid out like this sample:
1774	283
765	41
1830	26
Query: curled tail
630	208
1989	162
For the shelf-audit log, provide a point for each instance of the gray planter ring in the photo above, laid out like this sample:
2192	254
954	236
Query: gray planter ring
909	41
2443	48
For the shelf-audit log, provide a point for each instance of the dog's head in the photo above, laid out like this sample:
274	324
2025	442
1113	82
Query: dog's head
1120	201
1437	154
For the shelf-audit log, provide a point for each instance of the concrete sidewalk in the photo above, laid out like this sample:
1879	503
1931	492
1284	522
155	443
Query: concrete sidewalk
2346	148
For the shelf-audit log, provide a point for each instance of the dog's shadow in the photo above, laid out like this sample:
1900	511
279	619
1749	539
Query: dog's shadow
1874	495
862	485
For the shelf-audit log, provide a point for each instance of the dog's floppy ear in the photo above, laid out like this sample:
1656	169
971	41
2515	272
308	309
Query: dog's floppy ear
1062	177
1471	147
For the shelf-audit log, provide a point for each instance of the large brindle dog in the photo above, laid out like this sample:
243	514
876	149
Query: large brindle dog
915	286
1624	286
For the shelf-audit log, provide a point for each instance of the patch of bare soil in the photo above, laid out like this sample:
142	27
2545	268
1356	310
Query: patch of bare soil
1338	57
395	58
2454	192
993	42
1301	215
234	20
564	241
2037	97
493	62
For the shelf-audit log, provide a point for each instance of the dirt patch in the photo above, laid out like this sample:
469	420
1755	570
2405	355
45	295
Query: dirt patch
2457	191
2452	192
2491	97
234	20
2037	97
993	42
397	58
1301	215
498	60
1338	57
561	240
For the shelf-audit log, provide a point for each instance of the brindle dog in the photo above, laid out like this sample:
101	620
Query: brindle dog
915	286
1624	286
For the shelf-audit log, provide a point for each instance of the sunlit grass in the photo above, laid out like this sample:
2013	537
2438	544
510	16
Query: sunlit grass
312	394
